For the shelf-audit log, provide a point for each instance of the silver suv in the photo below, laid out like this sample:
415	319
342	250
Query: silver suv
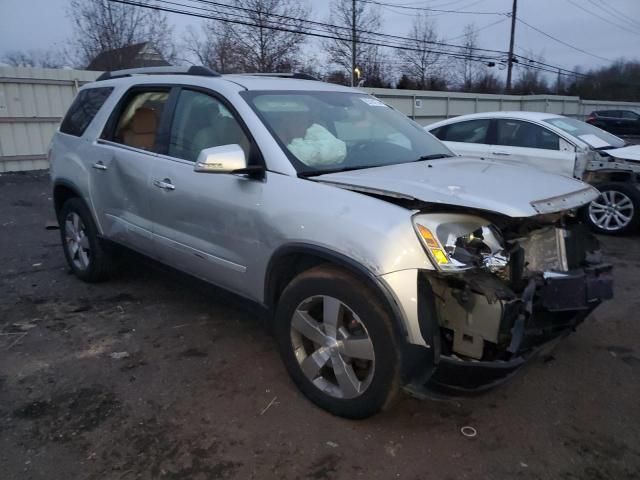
383	260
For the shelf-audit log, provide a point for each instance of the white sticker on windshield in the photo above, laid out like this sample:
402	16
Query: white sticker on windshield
372	102
594	141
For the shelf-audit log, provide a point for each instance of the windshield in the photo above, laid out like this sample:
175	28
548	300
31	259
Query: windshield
589	134
333	131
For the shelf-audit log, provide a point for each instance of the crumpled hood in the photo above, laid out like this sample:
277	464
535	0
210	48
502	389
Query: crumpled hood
514	191
630	152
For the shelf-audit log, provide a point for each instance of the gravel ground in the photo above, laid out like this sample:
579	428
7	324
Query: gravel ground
155	375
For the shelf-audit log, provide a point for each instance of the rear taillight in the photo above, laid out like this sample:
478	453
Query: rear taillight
590	118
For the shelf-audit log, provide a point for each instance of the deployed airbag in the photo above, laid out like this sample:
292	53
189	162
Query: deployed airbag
318	147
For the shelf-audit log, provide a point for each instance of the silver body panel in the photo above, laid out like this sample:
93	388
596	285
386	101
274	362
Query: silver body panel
226	228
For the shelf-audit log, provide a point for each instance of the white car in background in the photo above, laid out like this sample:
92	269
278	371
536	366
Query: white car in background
560	145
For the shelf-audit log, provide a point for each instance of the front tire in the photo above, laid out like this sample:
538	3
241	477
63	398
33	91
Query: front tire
86	255
337	343
616	211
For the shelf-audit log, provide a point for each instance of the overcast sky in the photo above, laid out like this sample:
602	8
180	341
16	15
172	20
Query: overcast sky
42	24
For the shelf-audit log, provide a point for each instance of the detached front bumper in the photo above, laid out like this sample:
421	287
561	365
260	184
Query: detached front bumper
487	333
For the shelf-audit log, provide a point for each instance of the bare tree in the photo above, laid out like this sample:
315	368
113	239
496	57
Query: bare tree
468	70
259	47
35	58
101	25
419	60
368	58
214	46
530	79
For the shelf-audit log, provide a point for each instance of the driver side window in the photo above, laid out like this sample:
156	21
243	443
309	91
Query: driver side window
516	133
201	121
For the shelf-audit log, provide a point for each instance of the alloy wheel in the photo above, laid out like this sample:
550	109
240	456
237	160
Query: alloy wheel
76	241
332	347
611	211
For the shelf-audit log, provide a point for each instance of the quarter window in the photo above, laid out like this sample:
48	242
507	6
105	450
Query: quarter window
83	109
471	131
516	133
202	121
138	123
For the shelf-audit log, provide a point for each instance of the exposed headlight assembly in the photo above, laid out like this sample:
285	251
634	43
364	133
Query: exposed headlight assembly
461	242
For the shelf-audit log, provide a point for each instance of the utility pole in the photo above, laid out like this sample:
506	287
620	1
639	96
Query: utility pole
513	32
353	44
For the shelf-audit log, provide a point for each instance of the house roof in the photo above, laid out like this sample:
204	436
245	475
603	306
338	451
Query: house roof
132	56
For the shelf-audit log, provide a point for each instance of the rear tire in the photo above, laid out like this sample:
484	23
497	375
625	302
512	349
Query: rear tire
616	211
331	326
87	256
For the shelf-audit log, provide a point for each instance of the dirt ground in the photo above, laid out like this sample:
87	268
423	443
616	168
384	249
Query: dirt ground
156	376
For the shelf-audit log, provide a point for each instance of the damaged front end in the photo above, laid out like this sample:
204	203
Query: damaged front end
503	290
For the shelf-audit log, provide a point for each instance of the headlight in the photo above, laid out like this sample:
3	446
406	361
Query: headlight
461	242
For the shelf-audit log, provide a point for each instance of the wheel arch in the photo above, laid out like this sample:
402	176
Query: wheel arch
290	260
63	191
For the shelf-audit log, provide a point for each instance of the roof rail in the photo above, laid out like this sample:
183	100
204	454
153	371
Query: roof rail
193	70
296	75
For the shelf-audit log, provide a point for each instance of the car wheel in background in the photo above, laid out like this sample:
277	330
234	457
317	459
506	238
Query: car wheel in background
86	255
337	343
616	211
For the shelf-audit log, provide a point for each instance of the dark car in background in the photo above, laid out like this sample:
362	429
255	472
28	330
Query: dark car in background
620	122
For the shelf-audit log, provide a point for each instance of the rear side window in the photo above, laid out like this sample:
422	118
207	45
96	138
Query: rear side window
83	110
629	115
471	131
515	133
139	119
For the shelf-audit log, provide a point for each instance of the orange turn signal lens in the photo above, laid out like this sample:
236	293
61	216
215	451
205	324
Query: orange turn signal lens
433	245
428	237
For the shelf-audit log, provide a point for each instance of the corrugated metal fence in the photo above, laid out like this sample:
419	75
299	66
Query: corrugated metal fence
33	101
427	107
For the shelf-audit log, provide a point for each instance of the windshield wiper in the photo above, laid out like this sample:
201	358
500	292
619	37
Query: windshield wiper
433	156
313	173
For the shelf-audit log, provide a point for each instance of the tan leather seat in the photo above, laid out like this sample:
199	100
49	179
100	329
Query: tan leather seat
141	131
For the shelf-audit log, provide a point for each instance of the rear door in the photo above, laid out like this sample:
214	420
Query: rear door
121	169
466	138
205	223
527	143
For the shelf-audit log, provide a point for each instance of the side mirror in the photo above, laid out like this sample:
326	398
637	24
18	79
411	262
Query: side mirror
222	159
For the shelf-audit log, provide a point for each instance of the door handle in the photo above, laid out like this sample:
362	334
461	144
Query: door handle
164	184
99	165
504	154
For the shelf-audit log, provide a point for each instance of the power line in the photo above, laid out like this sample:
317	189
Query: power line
328	27
478	58
331	26
394	38
426	9
243	20
581	7
621	14
563	42
629	23
478	29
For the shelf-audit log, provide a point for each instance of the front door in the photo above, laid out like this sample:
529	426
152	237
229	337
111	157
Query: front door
205	223
121	169
467	138
525	143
